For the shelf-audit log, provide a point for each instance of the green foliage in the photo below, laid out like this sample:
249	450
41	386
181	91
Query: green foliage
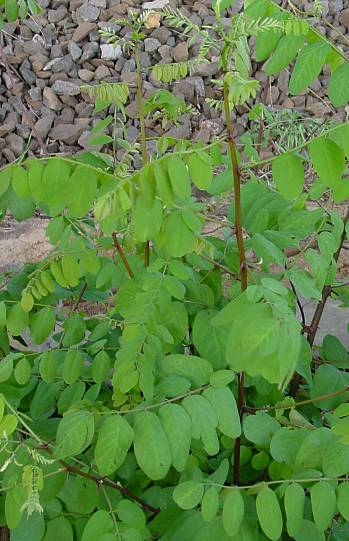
121	416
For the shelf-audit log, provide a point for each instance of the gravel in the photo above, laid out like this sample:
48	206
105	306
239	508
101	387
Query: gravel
51	55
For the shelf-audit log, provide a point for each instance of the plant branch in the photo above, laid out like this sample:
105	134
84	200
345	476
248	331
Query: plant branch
141	116
83	289
315	322
108	482
297	404
122	255
242	259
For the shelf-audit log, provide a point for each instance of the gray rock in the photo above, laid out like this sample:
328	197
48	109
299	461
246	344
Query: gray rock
57	65
84	142
56	15
89	51
43	125
74	50
344	18
15	144
6	128
51	100
206	69
35	93
26	72
102	4
162	34
180	52
151	44
110	52
156	4
82	31
67	133
88	12
65	88
86	75
102	72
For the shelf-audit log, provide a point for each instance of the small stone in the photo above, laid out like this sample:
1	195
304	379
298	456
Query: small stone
57	65
88	12
86	75
51	100
84	142
102	4
129	77
15	143
74	50
165	52
180	132
102	72
89	51
206	69
155	4
180	52
344	18
38	62
56	15
67	133
27	73
162	34
6	128
82	31
65	88
272	95
318	109
43	125
144	59
110	52
35	93
151	45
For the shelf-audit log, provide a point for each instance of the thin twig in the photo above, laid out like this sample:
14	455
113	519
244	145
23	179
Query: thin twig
122	255
297	404
83	289
314	325
108	482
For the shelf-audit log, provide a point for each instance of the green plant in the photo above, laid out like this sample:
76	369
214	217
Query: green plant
132	424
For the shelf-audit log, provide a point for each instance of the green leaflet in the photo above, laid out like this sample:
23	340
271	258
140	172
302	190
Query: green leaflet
224	404
309	532
288	173
259	428
131	514
175	237
5	180
294	499
308	66
213	349
200	169
151	445
48	367
81	192
188	494
98	525
328	160
233	512
114	440
179	177
75	432
323	503
343	499
338	86
42	324
177	426
284	53
72	367
17	320
23	371
269	513
210	504
55	183
204	422
58	528
194	368
20	182
101	366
